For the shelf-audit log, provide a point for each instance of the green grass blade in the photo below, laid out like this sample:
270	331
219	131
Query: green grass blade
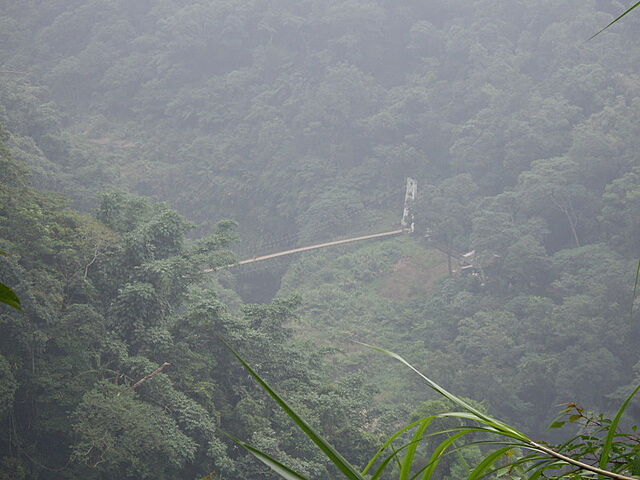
608	442
470	416
457	451
501	443
338	460
439	453
551	465
395	436
389	442
463	462
536	475
497	424
407	461
281	469
488	462
531	462
394	456
633	7
383	466
490	428
465	429
633	298
528	464
395	453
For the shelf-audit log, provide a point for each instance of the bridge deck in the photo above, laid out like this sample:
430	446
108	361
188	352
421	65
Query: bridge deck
306	249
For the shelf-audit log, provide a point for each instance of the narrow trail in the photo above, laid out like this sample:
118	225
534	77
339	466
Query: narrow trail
306	249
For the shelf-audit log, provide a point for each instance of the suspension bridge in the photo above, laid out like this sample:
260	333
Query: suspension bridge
407	223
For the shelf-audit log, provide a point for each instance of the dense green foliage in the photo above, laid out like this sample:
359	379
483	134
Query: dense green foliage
106	302
300	120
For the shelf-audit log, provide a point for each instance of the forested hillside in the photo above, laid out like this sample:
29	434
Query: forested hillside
156	121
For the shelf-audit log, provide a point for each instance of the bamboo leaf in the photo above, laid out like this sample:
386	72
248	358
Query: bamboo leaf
338	460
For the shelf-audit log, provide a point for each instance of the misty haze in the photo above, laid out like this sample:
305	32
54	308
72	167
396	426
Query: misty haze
187	185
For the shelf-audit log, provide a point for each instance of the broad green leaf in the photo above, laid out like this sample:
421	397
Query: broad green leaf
557	424
338	460
8	297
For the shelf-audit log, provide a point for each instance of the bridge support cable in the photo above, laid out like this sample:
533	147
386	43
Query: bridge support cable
408	226
287	241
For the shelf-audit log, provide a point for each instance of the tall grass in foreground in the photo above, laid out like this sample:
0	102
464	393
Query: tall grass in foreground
602	453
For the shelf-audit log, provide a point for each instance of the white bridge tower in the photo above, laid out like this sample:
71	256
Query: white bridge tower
409	199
